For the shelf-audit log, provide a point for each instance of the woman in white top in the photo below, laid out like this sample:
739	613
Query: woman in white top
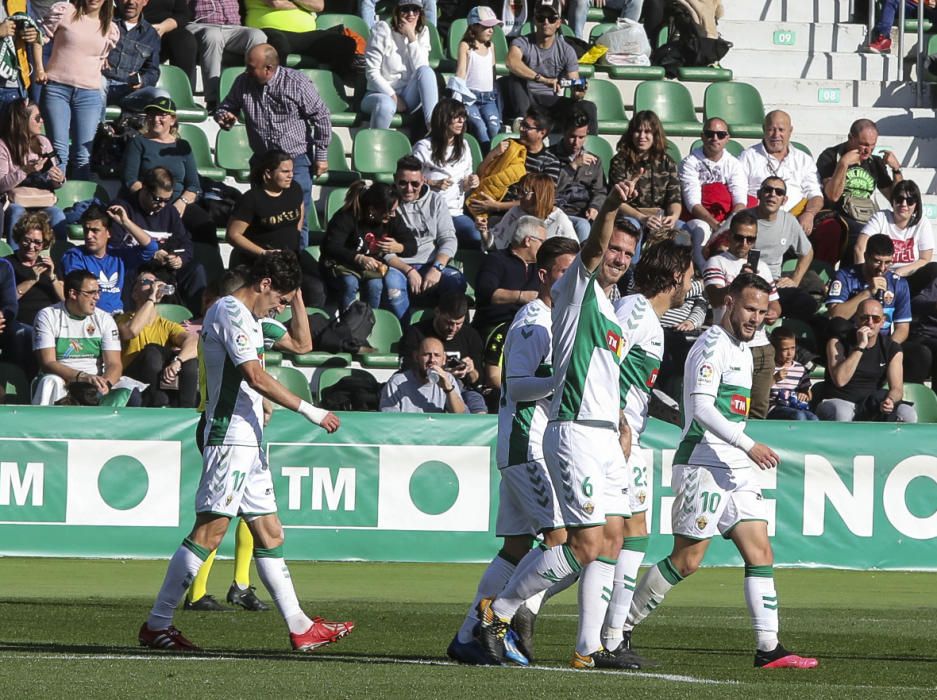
908	229
447	165
397	67
538	198
476	65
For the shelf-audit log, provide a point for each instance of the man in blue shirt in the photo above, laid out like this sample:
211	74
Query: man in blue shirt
113	266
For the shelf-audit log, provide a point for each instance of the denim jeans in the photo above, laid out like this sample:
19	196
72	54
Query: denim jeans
451	281
484	117
890	13
366	10
579	10
581	226
389	292
422	90
466	232
124	96
72	113
15	212
788	413
9	94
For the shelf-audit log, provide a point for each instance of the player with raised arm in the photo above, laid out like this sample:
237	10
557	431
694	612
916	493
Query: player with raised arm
662	277
236	479
713	480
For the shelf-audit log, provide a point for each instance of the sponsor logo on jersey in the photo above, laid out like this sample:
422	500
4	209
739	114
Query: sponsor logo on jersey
705	373
588	507
614	342
653	378
701	522
836	288
241	341
738	405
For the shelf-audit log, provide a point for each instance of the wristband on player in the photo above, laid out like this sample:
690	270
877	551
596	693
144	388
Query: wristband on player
311	413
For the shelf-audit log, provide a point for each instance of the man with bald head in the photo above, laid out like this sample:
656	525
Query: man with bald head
859	360
773	155
427	387
850	174
282	110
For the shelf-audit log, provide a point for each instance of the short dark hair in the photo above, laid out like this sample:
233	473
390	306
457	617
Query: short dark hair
541	116
74	279
659	266
879	244
233	279
626	225
782	333
743	218
159	271
453	305
552	248
158	178
95	212
410	163
746	280
281	267
577	119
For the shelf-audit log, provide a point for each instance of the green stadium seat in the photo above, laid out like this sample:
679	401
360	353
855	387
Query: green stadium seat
272	358
176	83
674	151
600	29
608	103
385	339
924	400
112	112
73	191
331	376
202	151
476	150
602	148
435	49
376	151
340	173
332	92
931	50
802	147
498	138
227	79
352	22
733	147
173	312
739	104
318	358
334	202
5	249
631	72
14	383
233	152
292	379
703	74
116	398
469	262
672	103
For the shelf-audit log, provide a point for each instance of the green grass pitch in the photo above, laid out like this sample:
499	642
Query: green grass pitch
68	629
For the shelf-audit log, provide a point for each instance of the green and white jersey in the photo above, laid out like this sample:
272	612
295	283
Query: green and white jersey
230	337
272	331
527	353
79	342
587	349
644	348
720	366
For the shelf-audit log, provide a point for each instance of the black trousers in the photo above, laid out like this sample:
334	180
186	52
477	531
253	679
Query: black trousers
180	48
332	48
518	99
147	367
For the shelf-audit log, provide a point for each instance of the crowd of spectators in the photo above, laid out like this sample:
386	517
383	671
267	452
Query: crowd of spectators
839	267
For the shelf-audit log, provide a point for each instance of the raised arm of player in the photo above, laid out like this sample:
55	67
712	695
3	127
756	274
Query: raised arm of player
593	250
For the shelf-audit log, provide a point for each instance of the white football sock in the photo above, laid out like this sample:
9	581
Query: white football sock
183	566
531	577
275	576
490	585
762	600
626	579
595	590
651	590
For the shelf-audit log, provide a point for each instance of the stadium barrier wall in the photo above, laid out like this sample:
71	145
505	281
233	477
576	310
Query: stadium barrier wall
97	482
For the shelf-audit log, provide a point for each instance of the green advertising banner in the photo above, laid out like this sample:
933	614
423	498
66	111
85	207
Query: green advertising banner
98	482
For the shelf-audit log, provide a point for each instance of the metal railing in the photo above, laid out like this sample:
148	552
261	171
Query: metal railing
921	54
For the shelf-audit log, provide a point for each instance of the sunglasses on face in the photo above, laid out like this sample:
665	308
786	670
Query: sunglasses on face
774	190
409	184
548	19
901	199
410	10
524	126
712	134
33	242
157	199
873	318
748	240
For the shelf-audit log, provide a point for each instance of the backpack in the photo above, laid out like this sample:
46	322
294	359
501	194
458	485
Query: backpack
359	391
347	333
688	44
110	141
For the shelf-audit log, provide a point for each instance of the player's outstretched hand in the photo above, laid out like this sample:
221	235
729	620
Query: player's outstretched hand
764	456
330	423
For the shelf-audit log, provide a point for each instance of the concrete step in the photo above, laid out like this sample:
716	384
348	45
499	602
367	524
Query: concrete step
836	119
823	65
839	93
793	36
788	10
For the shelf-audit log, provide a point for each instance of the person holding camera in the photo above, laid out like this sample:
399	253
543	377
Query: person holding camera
427	388
718	274
19	36
157	351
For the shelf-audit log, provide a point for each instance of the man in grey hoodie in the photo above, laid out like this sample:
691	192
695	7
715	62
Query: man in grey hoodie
426	213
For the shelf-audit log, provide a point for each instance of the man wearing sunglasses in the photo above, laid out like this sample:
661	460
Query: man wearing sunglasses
859	360
713	185
537	62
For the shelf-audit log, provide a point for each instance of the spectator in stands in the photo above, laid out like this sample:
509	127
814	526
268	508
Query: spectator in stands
149	209
358	241
538	199
157	351
859	361
75	341
300	125
910	233
397	67
447	165
27	160
132	67
291	29
880	37
475	64
217	27
159	145
850	173
461	343
713	185
718	274
682	327
24	44
112	265
366	11
37	282
11	333
426	213
177	44
642	154
790	393
427	388
924	325
82	36
581	189
508	278
537	62
534	128
773	155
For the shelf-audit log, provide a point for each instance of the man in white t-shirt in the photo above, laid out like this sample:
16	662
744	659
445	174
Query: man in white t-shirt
718	274
236	479
75	341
